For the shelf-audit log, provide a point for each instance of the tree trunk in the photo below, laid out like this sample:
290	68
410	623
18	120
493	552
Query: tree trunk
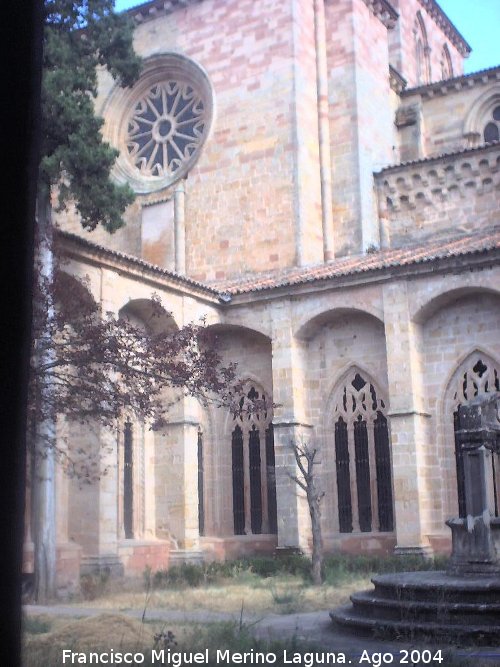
317	541
44	470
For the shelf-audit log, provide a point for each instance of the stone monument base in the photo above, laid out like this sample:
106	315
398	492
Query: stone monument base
427	604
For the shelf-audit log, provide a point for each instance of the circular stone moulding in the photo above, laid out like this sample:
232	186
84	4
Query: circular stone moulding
162	122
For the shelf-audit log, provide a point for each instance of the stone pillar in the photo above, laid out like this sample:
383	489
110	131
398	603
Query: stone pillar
290	425
99	526
149	482
179	227
177	481
409	423
106	495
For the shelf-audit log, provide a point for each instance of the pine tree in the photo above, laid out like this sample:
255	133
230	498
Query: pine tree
78	38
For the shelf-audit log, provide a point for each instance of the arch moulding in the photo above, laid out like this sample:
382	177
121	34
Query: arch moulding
310	323
422	311
476	117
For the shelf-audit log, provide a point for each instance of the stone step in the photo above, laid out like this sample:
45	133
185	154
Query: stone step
437	587
370	605
349	618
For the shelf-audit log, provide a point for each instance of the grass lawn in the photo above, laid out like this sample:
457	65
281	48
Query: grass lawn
278	594
260	586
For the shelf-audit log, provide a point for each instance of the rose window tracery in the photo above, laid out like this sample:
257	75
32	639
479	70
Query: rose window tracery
165	128
159	125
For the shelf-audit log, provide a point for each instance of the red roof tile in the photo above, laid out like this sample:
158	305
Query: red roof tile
455	83
488	147
375	261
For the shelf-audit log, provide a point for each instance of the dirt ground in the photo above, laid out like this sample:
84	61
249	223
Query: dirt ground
311	628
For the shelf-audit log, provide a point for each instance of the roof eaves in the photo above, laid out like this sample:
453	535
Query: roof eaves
384	11
449	29
454	84
407	260
148	10
138	263
436	158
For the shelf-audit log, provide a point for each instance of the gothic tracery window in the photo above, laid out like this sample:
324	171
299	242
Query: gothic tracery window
491	130
446	63
422	51
160	124
201	484
362	458
128	481
253	473
165	128
480	377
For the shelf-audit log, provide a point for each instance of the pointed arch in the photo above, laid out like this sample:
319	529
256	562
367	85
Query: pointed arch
131	478
446	63
478	373
253	461
357	411
485	110
146	313
422	51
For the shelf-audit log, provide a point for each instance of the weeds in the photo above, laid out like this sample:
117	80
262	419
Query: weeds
189	575
36	625
93	586
340	568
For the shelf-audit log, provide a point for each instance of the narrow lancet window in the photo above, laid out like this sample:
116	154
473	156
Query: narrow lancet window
128	482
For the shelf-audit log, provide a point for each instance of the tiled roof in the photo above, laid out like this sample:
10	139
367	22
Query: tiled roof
130	260
456	83
372	262
345	266
440	156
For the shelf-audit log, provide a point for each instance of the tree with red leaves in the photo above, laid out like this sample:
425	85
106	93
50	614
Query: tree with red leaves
86	365
90	367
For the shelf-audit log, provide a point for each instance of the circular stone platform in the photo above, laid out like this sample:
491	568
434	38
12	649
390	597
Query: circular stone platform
432	604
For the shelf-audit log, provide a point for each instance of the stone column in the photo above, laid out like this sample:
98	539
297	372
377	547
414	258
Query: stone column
177	480
179	227
409	423
149	482
100	527
290	425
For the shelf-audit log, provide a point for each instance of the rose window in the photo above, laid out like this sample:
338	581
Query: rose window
161	124
165	128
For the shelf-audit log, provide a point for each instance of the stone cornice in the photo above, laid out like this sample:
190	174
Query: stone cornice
455	84
440	18
396	81
435	263
149	10
384	11
443	157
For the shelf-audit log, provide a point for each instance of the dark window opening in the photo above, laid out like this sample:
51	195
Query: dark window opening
238	482
255	483
343	477
383	471
201	504
358	382
491	133
478	379
271	481
363	475
128	482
